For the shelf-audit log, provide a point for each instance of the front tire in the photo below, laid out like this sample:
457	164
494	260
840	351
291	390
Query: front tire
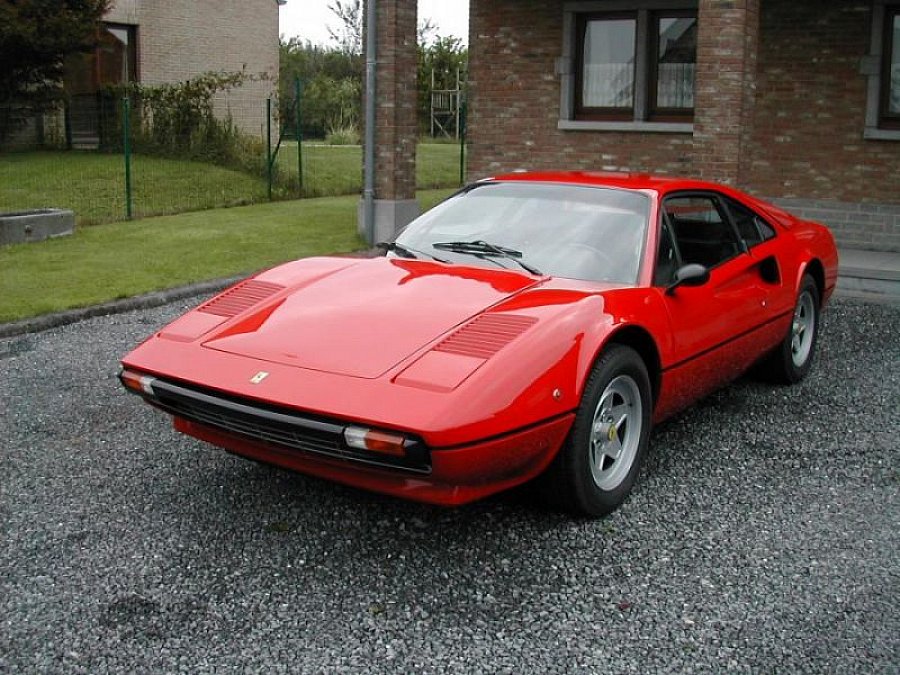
596	468
793	358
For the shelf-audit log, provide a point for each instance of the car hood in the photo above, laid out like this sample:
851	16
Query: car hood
364	318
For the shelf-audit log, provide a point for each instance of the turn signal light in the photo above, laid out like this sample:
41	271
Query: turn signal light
381	442
139	384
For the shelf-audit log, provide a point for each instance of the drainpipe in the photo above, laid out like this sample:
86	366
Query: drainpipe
369	157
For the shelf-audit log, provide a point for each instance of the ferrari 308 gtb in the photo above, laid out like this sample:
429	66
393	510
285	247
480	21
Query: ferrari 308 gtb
532	326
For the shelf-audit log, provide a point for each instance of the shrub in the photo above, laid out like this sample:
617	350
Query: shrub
347	134
178	121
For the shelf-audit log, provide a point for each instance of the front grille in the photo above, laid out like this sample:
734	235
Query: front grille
280	427
249	425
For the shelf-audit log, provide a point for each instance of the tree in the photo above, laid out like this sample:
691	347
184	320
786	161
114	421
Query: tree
332	76
349	35
36	36
331	79
426	32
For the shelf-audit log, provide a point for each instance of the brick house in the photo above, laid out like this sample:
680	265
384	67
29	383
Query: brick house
797	101
162	42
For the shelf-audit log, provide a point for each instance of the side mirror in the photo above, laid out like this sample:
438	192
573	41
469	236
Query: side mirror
689	275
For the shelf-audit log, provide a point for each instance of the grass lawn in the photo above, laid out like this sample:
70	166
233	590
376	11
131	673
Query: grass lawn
118	260
93	184
337	169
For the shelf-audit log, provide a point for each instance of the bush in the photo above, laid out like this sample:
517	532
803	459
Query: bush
177	121
331	81
348	134
329	104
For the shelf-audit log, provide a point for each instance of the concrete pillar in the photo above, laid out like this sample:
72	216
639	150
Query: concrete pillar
396	125
725	89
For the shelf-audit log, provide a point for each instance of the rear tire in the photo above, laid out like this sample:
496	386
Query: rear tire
597	466
792	359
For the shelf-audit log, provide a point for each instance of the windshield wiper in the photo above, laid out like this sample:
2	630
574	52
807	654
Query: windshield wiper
406	251
481	248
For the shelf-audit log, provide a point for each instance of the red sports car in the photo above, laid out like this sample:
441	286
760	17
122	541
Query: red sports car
533	325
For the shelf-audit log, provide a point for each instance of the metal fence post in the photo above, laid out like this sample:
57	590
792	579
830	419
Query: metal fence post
126	142
269	143
299	136
67	117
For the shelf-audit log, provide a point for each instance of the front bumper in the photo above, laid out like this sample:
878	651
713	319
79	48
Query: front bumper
316	446
458	475
269	424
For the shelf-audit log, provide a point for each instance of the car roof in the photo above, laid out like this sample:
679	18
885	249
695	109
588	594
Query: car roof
630	181
661	185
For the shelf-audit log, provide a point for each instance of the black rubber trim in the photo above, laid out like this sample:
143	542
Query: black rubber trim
505	434
284	429
293	420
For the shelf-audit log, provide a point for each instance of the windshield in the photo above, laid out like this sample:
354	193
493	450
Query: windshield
579	232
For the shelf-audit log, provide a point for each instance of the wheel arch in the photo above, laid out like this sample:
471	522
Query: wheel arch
640	340
816	270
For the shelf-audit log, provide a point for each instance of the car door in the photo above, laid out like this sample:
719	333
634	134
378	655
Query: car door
718	327
760	239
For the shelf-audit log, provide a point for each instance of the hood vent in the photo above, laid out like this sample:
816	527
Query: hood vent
486	335
240	298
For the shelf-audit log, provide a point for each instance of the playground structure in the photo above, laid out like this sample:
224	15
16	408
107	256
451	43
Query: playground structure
447	109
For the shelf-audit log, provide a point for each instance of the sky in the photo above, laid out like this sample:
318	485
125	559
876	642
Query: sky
308	19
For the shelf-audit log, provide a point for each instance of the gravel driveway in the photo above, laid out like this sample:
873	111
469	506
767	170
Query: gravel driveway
762	537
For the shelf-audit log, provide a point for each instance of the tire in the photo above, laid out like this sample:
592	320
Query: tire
792	359
597	466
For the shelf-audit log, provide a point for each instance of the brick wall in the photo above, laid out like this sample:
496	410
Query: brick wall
183	38
808	135
396	127
790	131
807	149
514	102
727	42
864	225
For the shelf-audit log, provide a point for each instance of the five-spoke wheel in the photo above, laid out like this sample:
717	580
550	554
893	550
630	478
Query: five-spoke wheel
616	432
803	328
791	361
597	466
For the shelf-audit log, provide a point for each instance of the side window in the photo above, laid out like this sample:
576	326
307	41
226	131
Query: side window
667	258
752	228
702	235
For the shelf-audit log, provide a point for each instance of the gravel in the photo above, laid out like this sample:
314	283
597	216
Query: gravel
761	537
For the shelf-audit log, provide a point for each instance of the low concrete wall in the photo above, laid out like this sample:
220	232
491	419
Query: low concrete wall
35	225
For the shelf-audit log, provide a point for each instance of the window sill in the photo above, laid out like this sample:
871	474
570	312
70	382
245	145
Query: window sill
876	134
634	127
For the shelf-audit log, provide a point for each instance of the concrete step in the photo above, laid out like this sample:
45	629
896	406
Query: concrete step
869	275
85	141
